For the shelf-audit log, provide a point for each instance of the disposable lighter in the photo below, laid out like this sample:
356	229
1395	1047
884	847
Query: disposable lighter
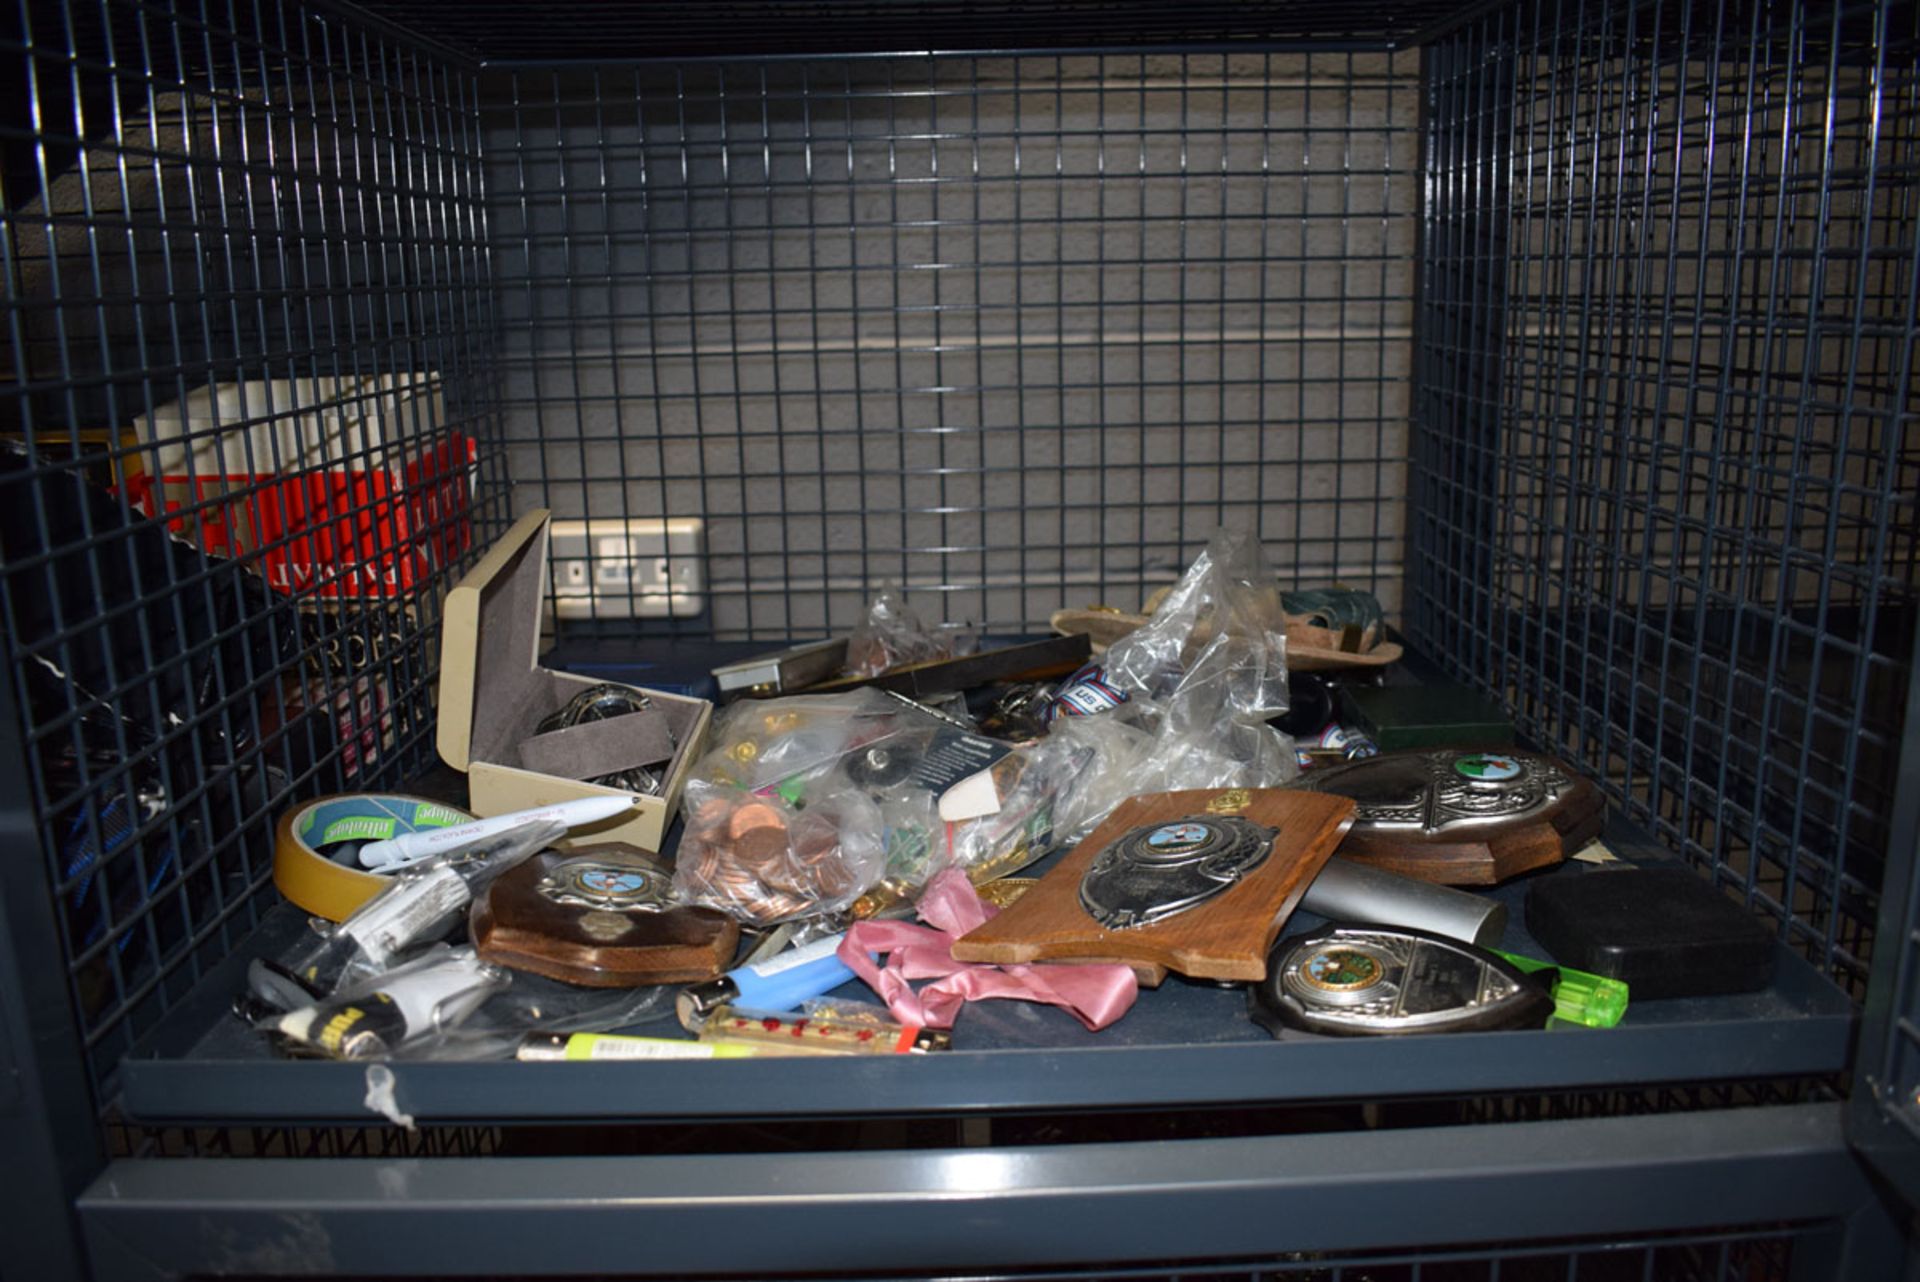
1579	996
807	1035
780	983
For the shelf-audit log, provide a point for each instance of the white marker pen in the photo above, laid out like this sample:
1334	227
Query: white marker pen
409	847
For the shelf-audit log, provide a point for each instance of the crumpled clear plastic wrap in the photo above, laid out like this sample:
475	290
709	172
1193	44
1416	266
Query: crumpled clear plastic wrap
408	1008
536	1004
762	744
1217	646
444	1003
1027	826
892	635
1138	749
1202	676
382	985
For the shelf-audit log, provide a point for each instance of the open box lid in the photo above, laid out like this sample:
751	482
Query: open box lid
505	589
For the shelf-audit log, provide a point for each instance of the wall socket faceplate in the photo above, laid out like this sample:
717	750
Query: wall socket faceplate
632	568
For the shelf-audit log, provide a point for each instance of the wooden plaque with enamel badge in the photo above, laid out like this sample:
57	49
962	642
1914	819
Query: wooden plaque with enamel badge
602	916
1196	882
1459	817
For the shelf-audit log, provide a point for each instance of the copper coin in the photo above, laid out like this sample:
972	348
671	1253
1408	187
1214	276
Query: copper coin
784	875
824	871
734	882
756	834
709	822
772	908
833	878
699	860
815	843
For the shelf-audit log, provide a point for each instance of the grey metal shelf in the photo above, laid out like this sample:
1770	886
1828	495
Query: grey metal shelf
1251	1206
1583	334
1185	1045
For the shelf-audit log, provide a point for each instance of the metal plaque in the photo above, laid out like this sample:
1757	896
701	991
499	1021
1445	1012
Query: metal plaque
1159	870
1450	790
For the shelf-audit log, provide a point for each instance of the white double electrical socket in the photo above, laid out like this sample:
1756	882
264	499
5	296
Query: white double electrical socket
634	568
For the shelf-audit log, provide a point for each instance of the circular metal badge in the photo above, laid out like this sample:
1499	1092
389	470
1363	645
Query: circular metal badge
1339	974
1487	767
593	883
1341	970
1174	840
1157	871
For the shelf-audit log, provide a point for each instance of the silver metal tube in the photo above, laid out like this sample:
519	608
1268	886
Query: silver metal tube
1349	892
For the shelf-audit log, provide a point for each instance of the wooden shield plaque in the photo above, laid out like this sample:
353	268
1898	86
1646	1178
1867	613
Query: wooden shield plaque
1196	882
1462	817
601	916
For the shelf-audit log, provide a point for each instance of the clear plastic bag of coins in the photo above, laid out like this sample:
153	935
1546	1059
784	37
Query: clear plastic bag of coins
764	860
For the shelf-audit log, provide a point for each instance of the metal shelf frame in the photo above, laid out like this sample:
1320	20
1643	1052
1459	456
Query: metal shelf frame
934	1212
1632	449
1186	1045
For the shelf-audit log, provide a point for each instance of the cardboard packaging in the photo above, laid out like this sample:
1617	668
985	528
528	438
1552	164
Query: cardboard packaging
494	694
326	480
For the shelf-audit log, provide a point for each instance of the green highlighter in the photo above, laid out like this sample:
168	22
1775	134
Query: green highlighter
1579	997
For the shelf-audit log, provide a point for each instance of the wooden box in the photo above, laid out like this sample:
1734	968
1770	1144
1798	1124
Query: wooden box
494	694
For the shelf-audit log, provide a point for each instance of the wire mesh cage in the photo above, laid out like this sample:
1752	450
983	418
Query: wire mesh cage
1583	335
246	303
1760	1255
1667	506
1008	333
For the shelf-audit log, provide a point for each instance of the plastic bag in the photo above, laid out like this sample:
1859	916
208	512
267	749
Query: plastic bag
764	860
1141	750
535	1004
1028	824
1199	681
419	906
1216	648
892	635
380	985
805	803
808	803
447	1004
385	1014
768	744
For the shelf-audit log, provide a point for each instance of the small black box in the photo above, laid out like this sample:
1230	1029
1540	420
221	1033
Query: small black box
1401	718
1664	931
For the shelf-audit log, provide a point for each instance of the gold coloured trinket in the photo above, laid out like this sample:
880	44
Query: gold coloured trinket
1002	893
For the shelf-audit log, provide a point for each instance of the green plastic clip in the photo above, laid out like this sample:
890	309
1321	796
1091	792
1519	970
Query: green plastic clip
1579	997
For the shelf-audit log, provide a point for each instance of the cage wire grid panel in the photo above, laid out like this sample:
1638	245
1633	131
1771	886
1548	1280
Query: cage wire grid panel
246	421
1009	333
496	31
1764	1254
1667	473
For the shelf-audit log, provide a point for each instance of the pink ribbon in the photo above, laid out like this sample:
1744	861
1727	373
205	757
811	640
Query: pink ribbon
1096	995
